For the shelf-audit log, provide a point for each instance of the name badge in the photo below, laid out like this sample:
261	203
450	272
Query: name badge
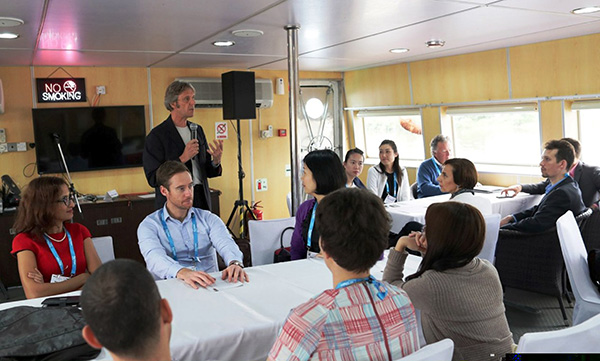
58	278
389	199
310	254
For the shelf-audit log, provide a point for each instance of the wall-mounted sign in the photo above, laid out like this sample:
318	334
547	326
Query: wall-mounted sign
60	90
221	130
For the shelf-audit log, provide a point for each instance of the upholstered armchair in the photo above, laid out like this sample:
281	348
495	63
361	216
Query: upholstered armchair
534	261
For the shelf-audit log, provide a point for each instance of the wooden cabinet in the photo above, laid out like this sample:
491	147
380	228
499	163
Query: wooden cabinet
119	219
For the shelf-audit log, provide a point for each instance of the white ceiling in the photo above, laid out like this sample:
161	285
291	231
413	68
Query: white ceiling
334	35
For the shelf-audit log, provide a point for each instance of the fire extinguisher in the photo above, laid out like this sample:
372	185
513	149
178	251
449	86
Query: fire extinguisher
258	213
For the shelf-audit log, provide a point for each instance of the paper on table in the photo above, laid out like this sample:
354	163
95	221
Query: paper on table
221	285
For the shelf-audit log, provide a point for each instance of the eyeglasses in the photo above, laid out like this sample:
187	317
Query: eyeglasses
67	199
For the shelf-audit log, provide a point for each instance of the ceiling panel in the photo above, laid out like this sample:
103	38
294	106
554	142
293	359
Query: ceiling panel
30	11
334	35
482	27
94	58
557	6
216	61
327	23
166	25
15	57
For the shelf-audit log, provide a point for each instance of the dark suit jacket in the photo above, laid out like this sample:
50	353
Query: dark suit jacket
164	143
586	176
564	197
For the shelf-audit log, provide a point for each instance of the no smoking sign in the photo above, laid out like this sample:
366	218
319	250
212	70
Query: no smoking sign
221	130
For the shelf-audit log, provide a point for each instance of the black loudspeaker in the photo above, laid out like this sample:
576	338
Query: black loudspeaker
239	95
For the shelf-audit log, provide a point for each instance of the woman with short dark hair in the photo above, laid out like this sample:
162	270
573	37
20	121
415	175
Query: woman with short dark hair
459	295
459	177
322	174
54	255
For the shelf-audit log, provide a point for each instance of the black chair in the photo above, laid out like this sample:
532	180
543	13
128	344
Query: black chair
590	230
3	290
534	262
413	189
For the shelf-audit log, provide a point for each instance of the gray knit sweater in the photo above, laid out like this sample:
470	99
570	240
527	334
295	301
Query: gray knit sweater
463	304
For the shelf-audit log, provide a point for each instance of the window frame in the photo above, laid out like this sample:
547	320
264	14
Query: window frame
360	140
448	128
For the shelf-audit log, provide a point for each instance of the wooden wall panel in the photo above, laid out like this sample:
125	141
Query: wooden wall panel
461	78
551	113
387	85
554	68
16	120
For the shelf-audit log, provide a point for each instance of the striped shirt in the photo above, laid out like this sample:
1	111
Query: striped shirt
342	324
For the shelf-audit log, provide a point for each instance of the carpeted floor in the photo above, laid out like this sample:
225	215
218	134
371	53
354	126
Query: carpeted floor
533	312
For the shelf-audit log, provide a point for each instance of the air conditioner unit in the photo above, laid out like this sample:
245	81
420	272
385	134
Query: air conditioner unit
209	94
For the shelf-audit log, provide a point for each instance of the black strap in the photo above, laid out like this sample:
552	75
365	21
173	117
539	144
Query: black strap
282	233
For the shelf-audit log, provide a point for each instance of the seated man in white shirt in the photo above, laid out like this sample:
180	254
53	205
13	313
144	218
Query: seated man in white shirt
125	313
179	240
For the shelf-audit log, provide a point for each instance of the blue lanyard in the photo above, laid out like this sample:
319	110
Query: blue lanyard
551	186
437	167
387	186
311	226
58	260
168	233
382	291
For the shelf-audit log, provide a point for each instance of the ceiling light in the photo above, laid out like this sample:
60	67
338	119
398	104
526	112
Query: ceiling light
435	43
8	36
223	43
6	22
247	33
586	10
399	50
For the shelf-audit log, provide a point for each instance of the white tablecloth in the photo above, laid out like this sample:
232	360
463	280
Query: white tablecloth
240	323
414	210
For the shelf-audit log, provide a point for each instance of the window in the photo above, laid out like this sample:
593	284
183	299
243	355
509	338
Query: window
507	135
403	127
585	127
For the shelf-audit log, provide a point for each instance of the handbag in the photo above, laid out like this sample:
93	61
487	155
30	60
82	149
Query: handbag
283	253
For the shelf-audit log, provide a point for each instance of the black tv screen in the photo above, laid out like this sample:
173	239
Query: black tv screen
91	138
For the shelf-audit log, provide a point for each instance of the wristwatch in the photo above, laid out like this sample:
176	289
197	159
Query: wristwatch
237	263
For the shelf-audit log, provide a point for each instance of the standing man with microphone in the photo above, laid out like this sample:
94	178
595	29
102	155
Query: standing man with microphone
179	139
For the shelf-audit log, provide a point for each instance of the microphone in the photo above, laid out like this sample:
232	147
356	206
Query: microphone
194	130
56	137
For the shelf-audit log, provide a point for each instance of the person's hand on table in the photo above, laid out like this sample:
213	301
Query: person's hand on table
515	189
235	273
415	241
195	278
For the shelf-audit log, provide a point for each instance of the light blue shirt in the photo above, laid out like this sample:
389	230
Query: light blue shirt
212	234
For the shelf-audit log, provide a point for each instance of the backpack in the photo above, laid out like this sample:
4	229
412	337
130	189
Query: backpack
43	334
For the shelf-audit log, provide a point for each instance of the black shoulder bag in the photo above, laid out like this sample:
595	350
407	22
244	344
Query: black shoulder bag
283	253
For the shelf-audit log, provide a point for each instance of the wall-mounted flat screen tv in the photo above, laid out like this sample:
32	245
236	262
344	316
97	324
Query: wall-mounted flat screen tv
91	138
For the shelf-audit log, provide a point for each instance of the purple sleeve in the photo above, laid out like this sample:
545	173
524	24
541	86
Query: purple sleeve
298	247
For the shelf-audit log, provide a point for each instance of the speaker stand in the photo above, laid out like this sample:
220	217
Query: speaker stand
241	204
